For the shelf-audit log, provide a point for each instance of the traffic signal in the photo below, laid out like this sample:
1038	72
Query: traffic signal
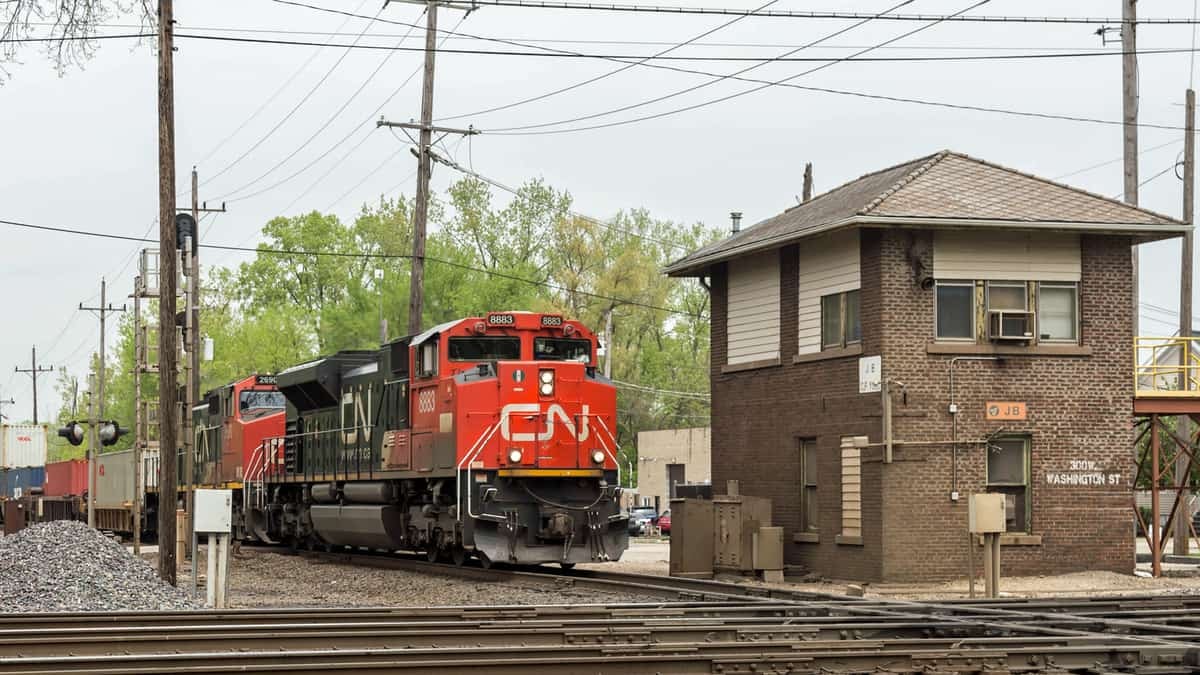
73	432
110	432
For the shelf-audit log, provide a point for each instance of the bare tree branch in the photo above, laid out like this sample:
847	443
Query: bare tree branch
69	26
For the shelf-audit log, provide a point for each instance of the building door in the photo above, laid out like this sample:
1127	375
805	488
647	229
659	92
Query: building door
675	475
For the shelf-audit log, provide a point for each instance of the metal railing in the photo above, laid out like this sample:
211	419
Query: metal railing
1166	366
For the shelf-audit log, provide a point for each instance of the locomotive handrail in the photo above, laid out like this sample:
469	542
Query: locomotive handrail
477	448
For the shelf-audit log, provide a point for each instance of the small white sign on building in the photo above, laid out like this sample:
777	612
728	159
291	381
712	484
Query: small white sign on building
870	374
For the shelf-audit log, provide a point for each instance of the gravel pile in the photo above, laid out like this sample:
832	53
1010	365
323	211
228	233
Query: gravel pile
66	566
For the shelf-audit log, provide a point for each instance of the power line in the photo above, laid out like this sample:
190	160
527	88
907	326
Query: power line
346	156
538	129
361	256
495	183
304	99
1114	161
270	99
794	14
639	59
665	392
791	85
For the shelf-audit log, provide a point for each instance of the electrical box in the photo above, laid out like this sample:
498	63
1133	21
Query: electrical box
985	513
768	548
692	538
214	511
736	519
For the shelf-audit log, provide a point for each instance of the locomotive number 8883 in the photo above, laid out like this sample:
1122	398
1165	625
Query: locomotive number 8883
491	436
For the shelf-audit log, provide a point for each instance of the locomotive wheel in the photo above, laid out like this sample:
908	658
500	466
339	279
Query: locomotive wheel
431	554
484	561
458	555
567	565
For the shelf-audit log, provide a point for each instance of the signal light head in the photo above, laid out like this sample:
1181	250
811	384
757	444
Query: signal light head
73	432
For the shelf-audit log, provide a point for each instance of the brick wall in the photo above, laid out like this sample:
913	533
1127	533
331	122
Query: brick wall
1079	410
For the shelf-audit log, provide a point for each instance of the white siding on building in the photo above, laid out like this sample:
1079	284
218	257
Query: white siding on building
1006	256
851	489
753	308
828	264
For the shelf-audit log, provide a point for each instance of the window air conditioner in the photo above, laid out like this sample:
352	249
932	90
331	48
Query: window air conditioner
1010	325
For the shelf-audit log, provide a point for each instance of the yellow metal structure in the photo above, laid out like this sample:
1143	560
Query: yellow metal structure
1166	367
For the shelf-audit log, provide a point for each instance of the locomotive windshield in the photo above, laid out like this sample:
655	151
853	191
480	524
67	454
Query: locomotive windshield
253	404
485	349
562	349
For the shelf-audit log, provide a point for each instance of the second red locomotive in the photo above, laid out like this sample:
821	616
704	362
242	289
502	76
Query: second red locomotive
491	436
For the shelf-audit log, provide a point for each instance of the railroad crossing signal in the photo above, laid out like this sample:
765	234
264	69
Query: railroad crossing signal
73	432
110	432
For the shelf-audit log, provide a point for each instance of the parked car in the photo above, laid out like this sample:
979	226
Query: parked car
664	522
640	519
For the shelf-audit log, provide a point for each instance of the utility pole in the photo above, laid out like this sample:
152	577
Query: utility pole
1129	107
1182	524
191	324
93	448
807	181
416	294
167	379
34	369
8	401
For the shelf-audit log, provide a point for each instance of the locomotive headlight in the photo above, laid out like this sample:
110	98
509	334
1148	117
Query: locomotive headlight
598	456
514	455
546	382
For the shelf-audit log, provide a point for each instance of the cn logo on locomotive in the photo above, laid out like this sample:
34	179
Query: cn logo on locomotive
532	411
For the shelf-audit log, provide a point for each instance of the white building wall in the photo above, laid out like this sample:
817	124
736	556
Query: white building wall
656	449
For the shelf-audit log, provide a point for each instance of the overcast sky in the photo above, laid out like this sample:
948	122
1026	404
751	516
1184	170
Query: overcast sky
80	150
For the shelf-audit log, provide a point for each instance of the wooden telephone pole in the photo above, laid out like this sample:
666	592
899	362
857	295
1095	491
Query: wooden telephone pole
93	447
1183	524
34	369
1129	107
168	276
425	130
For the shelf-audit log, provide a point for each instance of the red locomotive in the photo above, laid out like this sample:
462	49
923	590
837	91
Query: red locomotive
491	436
230	425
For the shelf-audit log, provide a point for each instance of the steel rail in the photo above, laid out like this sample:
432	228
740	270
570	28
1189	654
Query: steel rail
703	657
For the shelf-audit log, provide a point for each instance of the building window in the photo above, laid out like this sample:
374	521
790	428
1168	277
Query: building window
1008	474
1058	312
841	324
1008	296
851	488
808	485
955	310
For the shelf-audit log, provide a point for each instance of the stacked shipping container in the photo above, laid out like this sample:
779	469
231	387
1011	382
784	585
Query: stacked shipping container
22	458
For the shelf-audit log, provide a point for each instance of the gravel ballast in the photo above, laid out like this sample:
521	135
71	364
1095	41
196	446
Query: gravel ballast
66	566
262	577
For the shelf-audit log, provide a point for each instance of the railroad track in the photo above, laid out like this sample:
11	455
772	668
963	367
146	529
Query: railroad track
686	626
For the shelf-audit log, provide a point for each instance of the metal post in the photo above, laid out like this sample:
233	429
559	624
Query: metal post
167	379
93	445
1155	532
886	392
138	436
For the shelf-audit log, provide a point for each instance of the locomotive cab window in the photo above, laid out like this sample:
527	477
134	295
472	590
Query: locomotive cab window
427	359
253	404
485	349
562	349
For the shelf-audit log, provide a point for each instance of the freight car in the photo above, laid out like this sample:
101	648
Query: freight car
488	436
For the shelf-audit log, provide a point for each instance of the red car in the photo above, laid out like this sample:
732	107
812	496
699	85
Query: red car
664	523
